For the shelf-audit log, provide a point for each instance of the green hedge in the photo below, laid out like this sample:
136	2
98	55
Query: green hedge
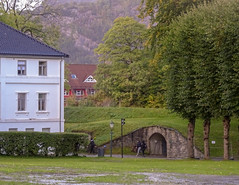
42	144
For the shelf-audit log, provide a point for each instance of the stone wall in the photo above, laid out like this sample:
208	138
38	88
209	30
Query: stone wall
170	143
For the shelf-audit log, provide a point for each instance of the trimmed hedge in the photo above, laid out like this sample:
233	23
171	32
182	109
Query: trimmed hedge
42	144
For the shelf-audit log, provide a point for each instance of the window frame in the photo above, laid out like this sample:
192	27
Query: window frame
42	68
21	102
21	67
42	102
82	92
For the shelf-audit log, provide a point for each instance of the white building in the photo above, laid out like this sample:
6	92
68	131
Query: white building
31	84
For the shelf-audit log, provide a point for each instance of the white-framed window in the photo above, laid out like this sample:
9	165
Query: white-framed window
66	93
29	129
42	68
92	91
12	129
46	130
79	93
42	102
21	99
21	67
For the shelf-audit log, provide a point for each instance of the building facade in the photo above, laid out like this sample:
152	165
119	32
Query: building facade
81	80
31	84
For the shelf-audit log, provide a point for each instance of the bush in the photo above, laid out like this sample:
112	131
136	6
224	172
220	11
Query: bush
42	144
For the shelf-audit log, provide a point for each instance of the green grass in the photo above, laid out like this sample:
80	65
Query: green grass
18	170
95	165
96	120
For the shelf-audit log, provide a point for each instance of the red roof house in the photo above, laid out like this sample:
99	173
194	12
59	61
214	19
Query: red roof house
81	80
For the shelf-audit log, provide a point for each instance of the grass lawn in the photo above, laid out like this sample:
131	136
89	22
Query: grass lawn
18	168
96	120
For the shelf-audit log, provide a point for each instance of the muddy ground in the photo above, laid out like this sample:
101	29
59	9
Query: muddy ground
149	178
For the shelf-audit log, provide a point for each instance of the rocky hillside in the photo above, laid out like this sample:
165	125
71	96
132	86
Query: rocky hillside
84	22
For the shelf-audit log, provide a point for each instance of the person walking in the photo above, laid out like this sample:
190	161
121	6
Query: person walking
138	148
143	147
92	146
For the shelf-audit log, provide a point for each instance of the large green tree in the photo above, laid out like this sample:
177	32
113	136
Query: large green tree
160	14
212	32
124	73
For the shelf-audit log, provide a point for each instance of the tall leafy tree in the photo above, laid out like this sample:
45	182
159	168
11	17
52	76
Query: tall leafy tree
212	31
160	14
123	73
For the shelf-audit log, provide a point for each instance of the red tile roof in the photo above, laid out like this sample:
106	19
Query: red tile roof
82	72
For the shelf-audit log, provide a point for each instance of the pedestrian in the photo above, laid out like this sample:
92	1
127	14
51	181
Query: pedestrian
92	146
138	148
143	147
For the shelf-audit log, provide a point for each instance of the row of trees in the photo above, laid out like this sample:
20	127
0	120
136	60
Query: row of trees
201	50
188	57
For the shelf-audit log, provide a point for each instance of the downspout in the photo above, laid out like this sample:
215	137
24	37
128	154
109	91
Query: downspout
60	95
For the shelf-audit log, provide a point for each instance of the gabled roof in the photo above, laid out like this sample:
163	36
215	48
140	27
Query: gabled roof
81	72
14	42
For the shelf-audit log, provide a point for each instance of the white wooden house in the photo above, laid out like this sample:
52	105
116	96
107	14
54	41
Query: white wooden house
31	84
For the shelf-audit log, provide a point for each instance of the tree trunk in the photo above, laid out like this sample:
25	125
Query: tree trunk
191	126
206	133
226	128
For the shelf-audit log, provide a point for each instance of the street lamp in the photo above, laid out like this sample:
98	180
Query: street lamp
111	132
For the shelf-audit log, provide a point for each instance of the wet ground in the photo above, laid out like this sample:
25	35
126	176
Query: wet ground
146	178
150	178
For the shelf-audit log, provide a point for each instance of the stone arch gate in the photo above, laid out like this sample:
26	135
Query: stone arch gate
161	142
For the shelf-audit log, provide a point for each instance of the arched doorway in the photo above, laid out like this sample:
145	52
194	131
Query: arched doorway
157	145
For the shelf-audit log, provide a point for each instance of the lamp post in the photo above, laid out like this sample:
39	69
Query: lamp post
111	132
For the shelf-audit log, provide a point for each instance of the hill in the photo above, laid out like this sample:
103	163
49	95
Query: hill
96	120
83	24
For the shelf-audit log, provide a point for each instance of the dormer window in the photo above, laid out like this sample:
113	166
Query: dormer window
73	76
90	79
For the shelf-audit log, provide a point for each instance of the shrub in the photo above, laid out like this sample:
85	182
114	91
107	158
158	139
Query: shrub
42	144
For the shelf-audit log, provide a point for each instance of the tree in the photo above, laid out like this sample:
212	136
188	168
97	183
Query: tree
124	73
211	31
26	16
161	14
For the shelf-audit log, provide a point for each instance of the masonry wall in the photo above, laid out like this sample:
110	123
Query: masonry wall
176	143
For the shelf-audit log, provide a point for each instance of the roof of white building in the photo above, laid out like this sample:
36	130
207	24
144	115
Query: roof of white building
14	42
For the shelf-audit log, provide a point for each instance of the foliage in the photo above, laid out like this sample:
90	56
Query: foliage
161	13
96	120
124	73
27	17
41	144
83	25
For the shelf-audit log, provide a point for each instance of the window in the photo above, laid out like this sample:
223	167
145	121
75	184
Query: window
46	130
79	92
92	91
90	79
42	68
66	93
21	102
42	102
12	129
29	129
73	76
21	67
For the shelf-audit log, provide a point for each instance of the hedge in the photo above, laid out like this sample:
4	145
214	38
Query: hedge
42	144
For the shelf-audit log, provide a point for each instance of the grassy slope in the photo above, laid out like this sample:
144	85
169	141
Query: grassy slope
96	121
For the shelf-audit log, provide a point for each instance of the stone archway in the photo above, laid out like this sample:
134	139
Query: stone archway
157	145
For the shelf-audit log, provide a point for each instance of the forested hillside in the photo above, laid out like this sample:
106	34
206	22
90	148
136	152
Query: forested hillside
83	24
